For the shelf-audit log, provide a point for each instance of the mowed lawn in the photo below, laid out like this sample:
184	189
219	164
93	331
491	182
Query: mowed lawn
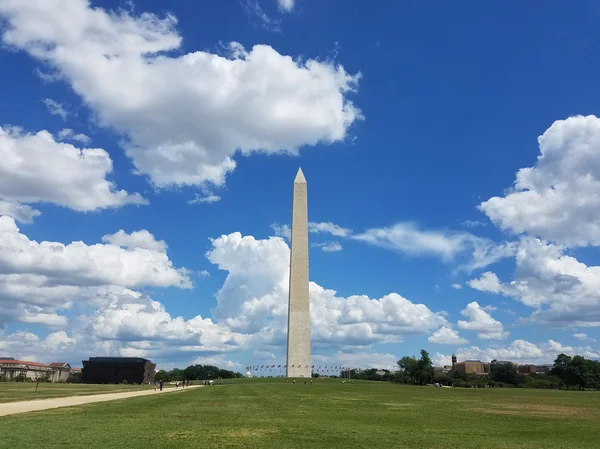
25	391
327	414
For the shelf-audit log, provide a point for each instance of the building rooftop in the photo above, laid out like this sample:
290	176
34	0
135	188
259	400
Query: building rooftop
22	362
117	359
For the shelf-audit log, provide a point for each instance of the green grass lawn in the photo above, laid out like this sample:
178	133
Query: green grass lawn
25	391
327	414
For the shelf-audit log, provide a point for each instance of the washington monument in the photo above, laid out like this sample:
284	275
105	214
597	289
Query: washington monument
298	344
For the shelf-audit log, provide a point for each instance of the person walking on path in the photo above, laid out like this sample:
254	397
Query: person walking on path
161	385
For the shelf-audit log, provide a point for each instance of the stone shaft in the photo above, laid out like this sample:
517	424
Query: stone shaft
298	347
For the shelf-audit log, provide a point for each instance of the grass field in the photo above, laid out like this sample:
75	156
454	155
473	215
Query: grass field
25	391
327	414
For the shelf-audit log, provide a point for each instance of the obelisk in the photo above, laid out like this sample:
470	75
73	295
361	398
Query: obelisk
298	347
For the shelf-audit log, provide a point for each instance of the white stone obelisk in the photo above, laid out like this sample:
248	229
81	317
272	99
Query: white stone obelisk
298	347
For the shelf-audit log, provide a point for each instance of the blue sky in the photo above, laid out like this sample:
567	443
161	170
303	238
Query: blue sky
452	153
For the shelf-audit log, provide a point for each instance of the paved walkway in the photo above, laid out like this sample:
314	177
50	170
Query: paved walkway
11	408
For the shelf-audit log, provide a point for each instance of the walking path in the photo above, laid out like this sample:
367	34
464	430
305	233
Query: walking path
11	408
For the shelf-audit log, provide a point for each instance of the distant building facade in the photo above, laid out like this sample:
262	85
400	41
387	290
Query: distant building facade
527	369
11	369
60	371
115	370
470	366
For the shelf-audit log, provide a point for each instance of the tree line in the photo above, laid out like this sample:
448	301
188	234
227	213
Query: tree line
567	372
196	372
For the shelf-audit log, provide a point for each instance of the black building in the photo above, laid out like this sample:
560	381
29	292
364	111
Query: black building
114	370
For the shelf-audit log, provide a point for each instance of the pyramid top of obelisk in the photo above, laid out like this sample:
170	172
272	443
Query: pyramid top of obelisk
300	179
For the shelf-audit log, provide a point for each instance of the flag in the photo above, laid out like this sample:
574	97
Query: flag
278	366
262	366
273	366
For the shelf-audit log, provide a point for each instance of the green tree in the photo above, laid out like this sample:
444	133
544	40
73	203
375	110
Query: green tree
409	367
561	363
425	369
504	372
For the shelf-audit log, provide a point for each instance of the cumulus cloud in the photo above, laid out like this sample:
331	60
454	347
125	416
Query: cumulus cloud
81	264
38	279
581	336
183	117
457	286
18	211
446	336
562	290
480	321
138	239
487	282
557	199
36	168
253	299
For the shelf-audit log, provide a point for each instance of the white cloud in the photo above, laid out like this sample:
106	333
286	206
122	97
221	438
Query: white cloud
218	360
55	108
69	134
480	321
253	299
456	286
563	291
255	11
138	239
81	264
329	247
38	279
473	223
286	5
36	168
20	212
282	231
184	116
209	198
487	282
446	336
329	228
448	245
581	337
365	360
558	199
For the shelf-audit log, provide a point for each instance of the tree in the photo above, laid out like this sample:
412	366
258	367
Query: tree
504	372
425	369
417	371
561	363
409	366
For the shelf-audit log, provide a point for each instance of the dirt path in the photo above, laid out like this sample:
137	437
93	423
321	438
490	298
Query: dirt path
11	408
